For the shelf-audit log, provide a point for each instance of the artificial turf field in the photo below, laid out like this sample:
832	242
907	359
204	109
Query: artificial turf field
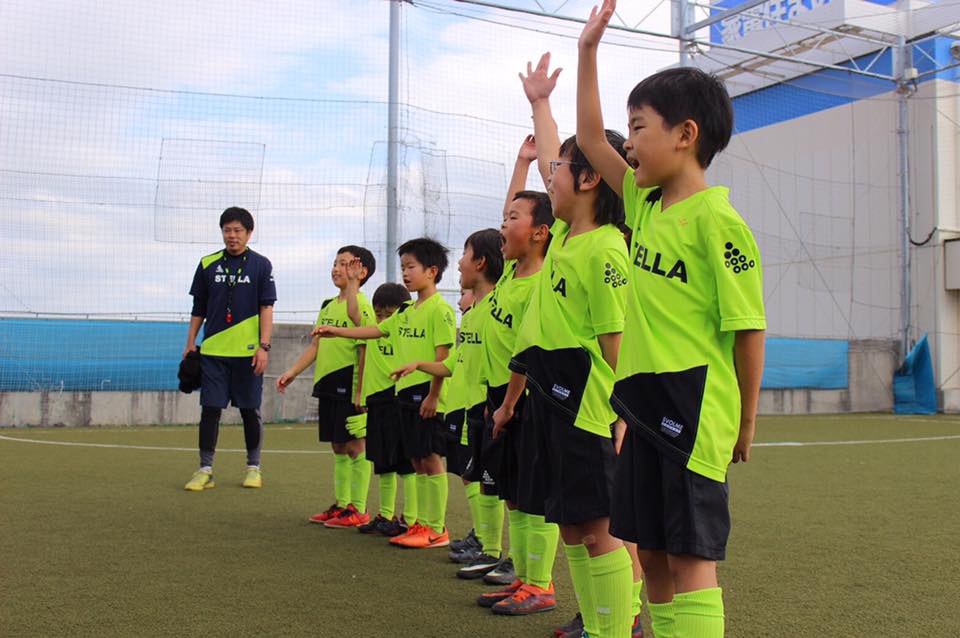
853	539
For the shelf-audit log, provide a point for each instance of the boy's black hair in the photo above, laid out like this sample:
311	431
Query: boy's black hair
687	93
609	207
542	208
487	243
366	259
429	252
237	214
390	295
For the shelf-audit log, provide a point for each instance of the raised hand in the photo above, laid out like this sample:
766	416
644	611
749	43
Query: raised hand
354	272
599	19
528	149
538	83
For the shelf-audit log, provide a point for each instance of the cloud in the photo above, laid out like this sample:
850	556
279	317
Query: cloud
80	155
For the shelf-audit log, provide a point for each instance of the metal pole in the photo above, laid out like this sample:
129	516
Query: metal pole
903	143
683	8
393	141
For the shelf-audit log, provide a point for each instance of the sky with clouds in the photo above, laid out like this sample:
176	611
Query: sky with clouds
126	127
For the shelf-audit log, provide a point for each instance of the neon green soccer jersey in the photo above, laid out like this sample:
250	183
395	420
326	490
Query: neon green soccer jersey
696	281
335	373
471	348
417	331
454	388
508	305
379	363
580	296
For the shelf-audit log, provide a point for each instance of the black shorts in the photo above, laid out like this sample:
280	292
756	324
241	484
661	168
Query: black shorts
661	505
420	437
226	380
332	420
384	448
566	473
473	471
457	454
499	458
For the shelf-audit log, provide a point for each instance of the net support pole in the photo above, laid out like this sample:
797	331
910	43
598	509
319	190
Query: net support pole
904	90
393	142
681	17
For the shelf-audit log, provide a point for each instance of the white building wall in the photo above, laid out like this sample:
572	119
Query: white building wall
821	193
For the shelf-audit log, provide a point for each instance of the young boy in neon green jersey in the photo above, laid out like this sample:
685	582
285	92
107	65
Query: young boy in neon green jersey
336	386
480	268
527	218
688	379
424	328
383	428
567	349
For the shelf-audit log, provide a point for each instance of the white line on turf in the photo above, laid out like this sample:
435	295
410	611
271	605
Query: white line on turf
148	447
191	449
860	442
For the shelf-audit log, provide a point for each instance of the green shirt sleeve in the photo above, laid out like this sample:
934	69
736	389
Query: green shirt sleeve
444	328
630	192
634	198
607	287
367	316
735	261
450	363
389	325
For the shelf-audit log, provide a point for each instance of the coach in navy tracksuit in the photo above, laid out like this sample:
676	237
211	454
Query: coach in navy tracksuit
233	296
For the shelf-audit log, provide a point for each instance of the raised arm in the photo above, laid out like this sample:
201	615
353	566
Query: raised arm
591	137
353	289
518	181
538	84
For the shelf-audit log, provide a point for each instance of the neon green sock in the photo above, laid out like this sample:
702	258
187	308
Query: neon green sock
341	479
410	498
699	614
491	524
360	471
542	539
388	494
438	486
424	500
612	575
472	492
637	601
518	542
578	558
662	620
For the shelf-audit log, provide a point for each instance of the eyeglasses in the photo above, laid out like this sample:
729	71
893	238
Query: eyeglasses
555	164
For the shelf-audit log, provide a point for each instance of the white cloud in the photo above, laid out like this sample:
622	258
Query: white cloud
319	155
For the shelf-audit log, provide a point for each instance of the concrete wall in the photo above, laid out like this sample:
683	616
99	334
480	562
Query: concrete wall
871	362
821	193
51	408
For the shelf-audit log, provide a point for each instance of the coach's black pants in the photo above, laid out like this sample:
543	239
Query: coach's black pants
210	430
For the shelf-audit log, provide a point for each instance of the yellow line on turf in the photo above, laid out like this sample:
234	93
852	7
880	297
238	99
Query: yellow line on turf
149	447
